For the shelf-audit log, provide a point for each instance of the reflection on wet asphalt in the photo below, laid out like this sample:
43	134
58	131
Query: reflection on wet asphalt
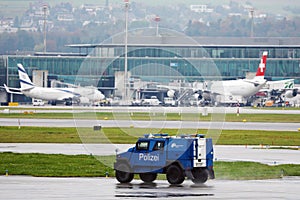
153	190
42	188
160	195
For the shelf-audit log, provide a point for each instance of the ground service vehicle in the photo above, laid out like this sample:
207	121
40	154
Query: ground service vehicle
168	101
38	102
153	101
176	156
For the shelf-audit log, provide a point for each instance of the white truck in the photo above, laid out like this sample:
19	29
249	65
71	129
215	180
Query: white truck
168	101
153	101
37	102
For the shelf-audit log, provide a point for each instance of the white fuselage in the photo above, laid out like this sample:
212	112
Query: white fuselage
91	94
241	87
233	91
50	94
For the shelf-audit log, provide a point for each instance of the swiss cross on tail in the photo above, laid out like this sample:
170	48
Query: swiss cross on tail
262	65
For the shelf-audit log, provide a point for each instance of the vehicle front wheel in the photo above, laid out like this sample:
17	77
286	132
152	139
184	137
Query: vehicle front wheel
148	177
175	175
123	174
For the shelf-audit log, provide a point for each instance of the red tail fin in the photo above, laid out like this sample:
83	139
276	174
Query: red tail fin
262	65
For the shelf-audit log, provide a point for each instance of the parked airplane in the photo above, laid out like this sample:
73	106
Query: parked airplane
290	91
293	101
79	94
236	91
223	92
281	91
284	87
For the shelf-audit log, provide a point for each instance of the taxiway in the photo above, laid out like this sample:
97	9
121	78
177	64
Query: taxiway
37	188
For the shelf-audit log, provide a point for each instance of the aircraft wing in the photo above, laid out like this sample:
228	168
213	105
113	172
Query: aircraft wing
67	94
64	98
255	83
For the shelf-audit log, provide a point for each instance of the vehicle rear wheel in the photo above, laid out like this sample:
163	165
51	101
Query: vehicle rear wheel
200	175
175	175
148	177
123	174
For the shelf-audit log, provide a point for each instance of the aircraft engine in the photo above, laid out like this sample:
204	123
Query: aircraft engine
97	96
84	100
291	93
171	93
198	96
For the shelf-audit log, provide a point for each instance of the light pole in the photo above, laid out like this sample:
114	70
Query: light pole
45	39
126	50
157	20
252	22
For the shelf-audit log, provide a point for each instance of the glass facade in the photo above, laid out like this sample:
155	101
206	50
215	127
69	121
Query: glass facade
3	71
193	62
157	63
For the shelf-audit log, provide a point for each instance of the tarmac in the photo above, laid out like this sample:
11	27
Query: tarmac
37	188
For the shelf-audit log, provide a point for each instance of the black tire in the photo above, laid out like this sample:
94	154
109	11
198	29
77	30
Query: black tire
148	177
200	175
123	174
175	175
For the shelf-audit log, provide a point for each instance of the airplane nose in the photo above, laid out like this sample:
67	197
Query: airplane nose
102	96
99	96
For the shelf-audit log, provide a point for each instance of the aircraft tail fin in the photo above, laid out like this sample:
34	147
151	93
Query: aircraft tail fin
260	73
25	82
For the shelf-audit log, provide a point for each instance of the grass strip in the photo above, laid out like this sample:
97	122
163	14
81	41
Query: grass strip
252	170
58	165
130	135
52	165
230	117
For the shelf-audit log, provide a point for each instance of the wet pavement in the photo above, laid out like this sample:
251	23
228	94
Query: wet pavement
33	188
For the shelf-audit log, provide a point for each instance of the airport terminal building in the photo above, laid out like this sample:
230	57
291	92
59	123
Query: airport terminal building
161	58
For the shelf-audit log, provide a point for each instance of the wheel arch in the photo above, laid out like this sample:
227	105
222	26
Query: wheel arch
173	162
122	161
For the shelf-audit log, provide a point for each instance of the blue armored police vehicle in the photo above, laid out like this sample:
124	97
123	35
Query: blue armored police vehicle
176	156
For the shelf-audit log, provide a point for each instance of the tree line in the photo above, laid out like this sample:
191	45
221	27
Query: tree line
217	24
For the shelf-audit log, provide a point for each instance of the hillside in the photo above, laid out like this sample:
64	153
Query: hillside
12	8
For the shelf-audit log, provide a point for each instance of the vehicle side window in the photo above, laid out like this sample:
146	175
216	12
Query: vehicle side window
159	145
143	145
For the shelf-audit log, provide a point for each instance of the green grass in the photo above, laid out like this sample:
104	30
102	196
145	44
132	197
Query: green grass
57	165
53	165
256	137
129	135
252	170
273	118
292	118
31	114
